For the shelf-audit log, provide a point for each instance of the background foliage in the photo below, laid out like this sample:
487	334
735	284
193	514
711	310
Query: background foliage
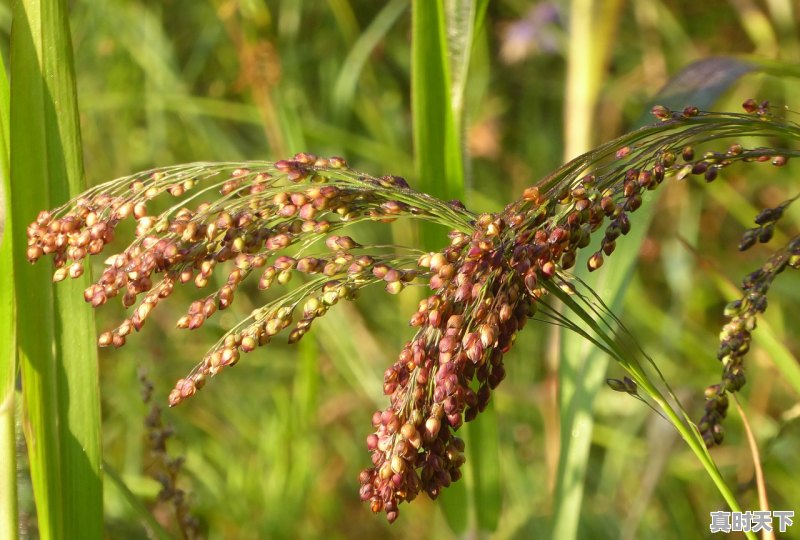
273	448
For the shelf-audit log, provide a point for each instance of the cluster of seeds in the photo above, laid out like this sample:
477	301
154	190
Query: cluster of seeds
742	313
283	221
765	225
552	221
485	286
446	373
339	275
259	212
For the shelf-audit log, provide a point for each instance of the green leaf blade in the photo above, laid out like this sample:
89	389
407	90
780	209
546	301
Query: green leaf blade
8	356
58	357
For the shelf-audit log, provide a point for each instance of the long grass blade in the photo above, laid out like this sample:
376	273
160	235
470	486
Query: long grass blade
437	145
435	136
346	82
581	368
593	324
8	356
443	33
702	83
58	359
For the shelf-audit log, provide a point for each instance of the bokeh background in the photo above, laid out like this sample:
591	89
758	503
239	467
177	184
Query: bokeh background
273	448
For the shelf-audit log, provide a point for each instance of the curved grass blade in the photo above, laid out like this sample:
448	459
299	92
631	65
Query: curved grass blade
345	88
701	84
597	324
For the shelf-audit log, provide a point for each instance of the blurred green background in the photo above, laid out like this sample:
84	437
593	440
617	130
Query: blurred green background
274	447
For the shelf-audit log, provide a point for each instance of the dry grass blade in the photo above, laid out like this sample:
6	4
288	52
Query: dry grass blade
763	501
